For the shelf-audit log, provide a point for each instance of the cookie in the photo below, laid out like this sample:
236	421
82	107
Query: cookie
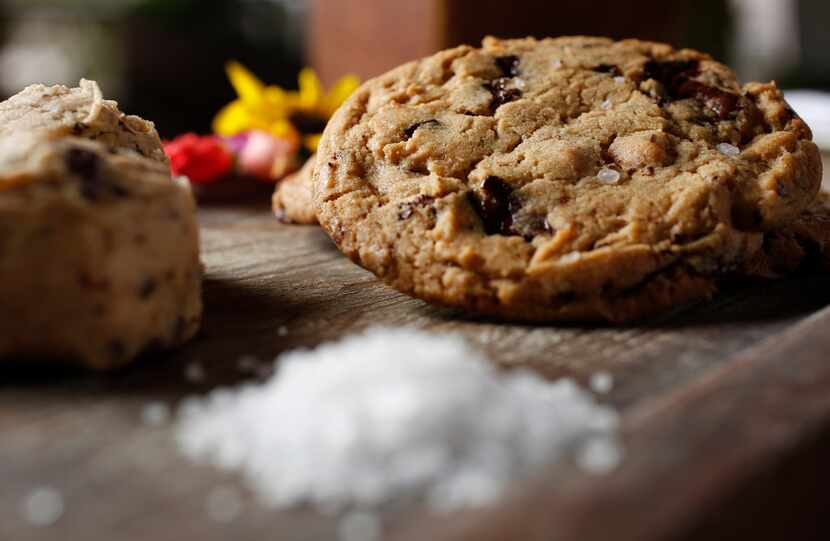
567	178
292	201
804	242
58	111
99	254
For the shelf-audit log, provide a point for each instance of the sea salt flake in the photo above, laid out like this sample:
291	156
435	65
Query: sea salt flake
619	79
556	63
223	504
42	507
519	83
600	455
194	372
607	103
606	175
155	413
359	526
601	382
728	150
386	414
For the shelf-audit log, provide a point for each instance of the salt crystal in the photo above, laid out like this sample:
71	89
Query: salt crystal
556	63
606	175
619	79
42	507
519	83
600	455
601	382
194	372
155	413
387	414
223	504
607	103
359	526
247	364
728	150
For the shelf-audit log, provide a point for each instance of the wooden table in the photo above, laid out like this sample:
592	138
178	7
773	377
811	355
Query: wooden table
725	407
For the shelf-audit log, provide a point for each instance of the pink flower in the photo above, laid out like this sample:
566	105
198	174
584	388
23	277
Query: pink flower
266	157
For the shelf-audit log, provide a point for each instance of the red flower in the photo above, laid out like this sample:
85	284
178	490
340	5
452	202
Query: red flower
202	159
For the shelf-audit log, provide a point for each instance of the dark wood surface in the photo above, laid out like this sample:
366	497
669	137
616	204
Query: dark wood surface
726	410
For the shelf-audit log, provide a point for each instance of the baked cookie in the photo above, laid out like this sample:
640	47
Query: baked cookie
292	201
58	111
805	241
99	255
567	178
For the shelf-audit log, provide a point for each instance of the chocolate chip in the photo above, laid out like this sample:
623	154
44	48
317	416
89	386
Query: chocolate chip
410	131
82	162
78	128
407	208
721	102
87	167
147	288
179	328
509	65
607	68
307	123
495	206
117	350
677	78
501	94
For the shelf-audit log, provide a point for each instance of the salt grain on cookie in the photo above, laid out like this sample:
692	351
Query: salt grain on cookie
619	79
606	175
728	150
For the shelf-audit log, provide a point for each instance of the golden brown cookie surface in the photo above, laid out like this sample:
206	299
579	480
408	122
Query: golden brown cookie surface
292	201
552	179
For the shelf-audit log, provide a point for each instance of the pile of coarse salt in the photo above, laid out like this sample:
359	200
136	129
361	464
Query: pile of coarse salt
392	413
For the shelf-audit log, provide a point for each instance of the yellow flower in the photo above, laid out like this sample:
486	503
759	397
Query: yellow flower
291	114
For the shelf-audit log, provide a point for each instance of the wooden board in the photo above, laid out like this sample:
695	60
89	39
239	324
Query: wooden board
726	410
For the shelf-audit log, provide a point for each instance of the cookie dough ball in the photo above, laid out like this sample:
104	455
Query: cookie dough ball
99	255
292	201
57	111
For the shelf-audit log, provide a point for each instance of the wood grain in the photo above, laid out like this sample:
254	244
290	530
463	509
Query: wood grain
726	409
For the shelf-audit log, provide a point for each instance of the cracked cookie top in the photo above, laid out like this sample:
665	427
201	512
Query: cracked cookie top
538	179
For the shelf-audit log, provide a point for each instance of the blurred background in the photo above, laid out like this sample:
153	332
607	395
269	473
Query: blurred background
163	59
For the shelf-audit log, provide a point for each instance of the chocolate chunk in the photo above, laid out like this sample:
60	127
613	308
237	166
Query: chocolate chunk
147	288
502	94
307	123
495	206
607	68
667	72
410	131
677	78
407	208
78	128
509	65
723	103
87	167
82	162
117	350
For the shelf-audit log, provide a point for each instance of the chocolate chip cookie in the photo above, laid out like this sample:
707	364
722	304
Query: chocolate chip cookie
292	201
567	178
